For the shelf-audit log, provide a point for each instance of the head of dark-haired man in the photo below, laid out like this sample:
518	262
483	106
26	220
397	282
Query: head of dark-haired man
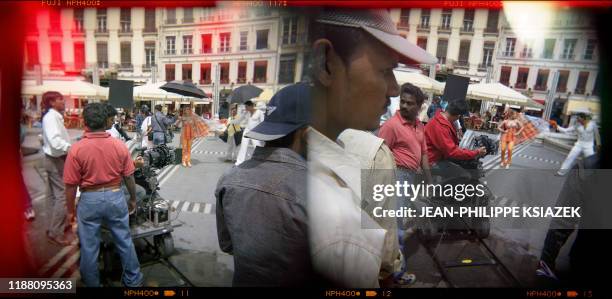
411	100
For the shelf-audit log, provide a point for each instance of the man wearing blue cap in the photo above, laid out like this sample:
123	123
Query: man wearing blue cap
261	204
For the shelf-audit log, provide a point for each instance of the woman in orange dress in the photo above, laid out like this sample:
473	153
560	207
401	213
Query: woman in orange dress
509	128
192	127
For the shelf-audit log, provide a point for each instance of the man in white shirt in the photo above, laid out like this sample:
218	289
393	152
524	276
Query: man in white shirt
56	143
587	134
354	54
255	117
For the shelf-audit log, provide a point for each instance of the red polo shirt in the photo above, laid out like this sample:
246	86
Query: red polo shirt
97	159
406	141
442	141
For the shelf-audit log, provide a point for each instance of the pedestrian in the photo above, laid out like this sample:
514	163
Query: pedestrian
56	143
509	128
146	130
192	126
97	164
159	125
354	54
139	118
434	107
115	129
588	134
257	114
261	204
233	126
405	136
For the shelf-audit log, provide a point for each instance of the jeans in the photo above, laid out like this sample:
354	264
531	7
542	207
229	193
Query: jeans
407	251
159	138
111	207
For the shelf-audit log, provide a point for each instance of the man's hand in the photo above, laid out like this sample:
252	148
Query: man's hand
482	151
139	162
132	205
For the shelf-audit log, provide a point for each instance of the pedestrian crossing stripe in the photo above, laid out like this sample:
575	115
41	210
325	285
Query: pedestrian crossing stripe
539	159
205	152
192	207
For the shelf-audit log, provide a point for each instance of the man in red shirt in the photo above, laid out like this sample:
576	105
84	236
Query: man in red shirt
441	136
97	164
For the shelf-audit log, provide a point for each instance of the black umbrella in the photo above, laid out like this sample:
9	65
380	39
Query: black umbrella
184	88
244	93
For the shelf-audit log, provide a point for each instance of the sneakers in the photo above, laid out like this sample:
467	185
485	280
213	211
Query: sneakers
404	278
29	214
544	270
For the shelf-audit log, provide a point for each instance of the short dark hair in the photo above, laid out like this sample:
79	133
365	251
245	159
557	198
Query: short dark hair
414	91
110	110
457	107
158	107
48	98
249	103
95	116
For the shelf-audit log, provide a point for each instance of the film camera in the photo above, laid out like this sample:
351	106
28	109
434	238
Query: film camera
152	207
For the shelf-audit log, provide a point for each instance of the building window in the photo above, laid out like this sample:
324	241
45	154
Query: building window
78	20
31	54
260	74
446	19
56	55
224	76
150	20
549	48
597	85
79	56
464	53
101	18
562	84
468	20
509	50
244	35
286	73
290	30
170	16
102	55
126	55
187	44
425	15
170	45
542	80
149	54
263	12
205	73
206	43
492	21
422	42
568	49
55	27
504	77
527	51
404	17
487	54
126	20
582	81
441	51
521	79
186	74
187	15
224	42
262	39
590	49
242	69
169	72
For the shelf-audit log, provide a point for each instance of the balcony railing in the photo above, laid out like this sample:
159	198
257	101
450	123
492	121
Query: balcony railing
521	85
241	80
588	56
209	18
508	53
147	67
205	81
540	87
467	27
444	28
170	21
491	30
527	53
259	80
567	56
150	30
224	80
262	47
56	66
101	30
561	88
579	90
103	64
423	26
483	67
462	64
170	52
206	51
403	23
126	67
125	28
187	51
223	49
187	20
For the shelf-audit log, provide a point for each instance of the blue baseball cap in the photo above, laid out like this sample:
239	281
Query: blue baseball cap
288	110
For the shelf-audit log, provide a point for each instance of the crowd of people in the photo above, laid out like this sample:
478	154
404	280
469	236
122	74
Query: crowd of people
291	210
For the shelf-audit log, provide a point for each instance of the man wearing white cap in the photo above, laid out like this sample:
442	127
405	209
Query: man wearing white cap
354	54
